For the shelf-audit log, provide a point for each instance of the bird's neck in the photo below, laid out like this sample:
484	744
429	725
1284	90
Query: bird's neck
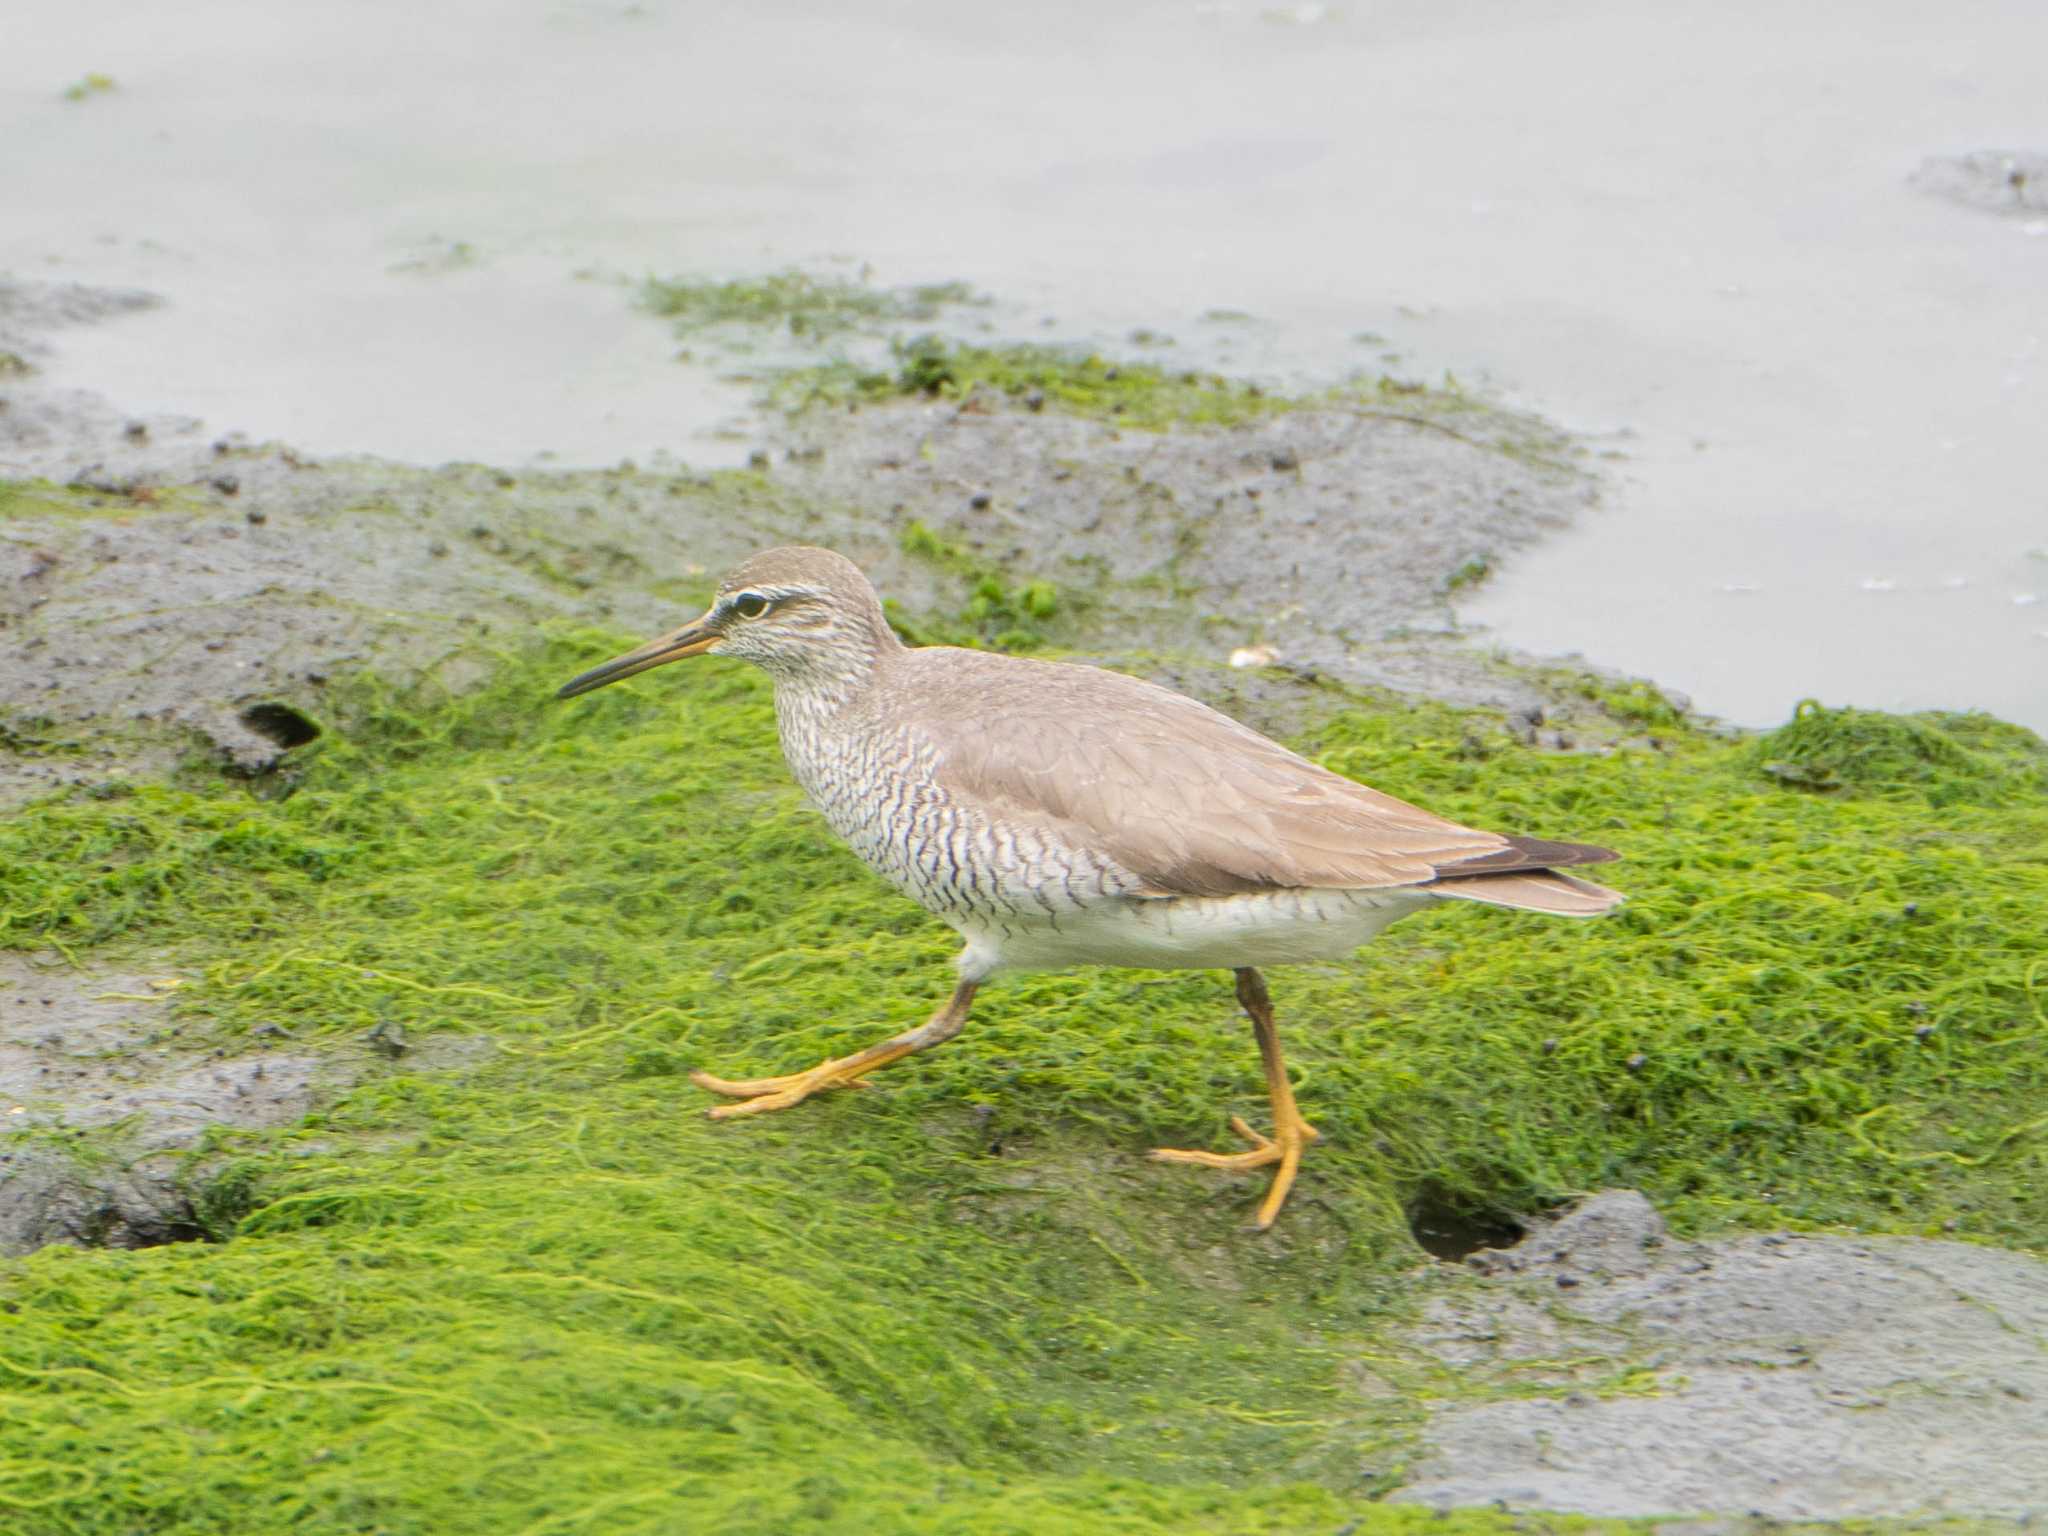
825	680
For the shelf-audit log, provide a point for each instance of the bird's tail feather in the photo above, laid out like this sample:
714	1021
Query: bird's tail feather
1536	890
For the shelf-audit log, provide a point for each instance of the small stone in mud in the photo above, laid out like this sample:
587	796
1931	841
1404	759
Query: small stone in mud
97	479
979	501
1997	181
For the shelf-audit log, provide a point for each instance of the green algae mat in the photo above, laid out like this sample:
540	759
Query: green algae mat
544	1294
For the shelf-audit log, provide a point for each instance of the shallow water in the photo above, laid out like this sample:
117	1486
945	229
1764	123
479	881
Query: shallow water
1690	237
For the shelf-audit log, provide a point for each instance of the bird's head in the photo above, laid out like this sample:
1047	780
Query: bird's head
803	615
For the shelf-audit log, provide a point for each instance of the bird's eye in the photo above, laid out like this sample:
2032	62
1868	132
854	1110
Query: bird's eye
750	605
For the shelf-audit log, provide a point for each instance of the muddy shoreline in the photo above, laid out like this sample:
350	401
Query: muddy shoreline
173	601
158	581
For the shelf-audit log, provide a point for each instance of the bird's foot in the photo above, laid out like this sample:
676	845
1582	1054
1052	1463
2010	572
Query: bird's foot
1284	1147
762	1094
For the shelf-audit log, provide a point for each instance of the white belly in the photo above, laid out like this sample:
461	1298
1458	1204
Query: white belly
1189	932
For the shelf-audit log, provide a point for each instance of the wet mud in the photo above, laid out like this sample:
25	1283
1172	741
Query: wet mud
1315	536
1792	1376
101	1100
113	1116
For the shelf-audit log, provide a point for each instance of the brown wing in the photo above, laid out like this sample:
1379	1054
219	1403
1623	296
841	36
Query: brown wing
1188	800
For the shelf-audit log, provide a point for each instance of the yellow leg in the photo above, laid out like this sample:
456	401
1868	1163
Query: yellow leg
1291	1133
762	1094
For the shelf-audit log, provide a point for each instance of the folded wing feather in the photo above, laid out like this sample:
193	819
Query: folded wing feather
1194	803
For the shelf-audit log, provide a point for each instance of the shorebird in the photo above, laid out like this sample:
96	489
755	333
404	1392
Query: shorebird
1056	815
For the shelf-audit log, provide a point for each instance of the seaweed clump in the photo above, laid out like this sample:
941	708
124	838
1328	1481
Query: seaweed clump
1946	756
547	1295
1073	379
807	306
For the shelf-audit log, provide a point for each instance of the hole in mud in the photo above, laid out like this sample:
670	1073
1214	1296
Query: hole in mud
1448	1227
165	1235
52	1202
280	723
115	1227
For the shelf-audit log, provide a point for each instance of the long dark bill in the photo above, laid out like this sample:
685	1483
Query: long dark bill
691	640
